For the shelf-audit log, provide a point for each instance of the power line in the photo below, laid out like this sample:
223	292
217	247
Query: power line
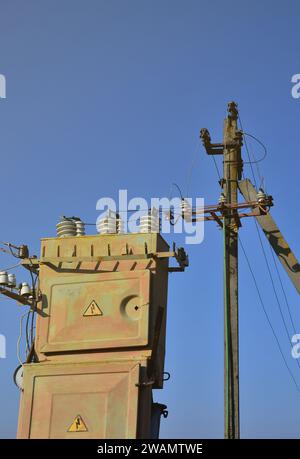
258	141
274	289
255	161
216	166
11	267
264	253
257	169
272	281
267	316
248	154
283	290
179	190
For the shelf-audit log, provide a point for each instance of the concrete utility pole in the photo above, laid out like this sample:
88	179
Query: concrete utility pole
232	173
231	151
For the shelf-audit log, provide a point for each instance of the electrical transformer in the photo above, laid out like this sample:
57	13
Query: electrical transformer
100	337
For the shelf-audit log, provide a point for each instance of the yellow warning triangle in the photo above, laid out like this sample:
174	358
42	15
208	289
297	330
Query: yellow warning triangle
93	310
78	425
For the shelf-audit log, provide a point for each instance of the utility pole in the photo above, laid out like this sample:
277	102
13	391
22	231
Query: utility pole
232	173
231	151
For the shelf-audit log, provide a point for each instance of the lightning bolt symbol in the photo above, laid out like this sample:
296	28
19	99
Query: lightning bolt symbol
77	423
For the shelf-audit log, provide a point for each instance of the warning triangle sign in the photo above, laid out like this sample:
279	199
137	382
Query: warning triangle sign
93	310
78	425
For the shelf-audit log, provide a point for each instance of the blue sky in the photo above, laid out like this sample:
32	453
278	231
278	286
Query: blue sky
105	95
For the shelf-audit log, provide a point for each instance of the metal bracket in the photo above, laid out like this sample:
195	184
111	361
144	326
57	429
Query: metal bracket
179	255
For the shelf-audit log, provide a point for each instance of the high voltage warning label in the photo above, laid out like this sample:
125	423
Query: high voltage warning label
78	425
93	310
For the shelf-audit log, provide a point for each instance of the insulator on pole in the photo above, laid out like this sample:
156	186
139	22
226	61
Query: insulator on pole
261	195
12	282
222	199
3	278
25	289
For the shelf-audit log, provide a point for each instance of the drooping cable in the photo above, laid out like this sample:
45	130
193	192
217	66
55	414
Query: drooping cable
283	290
267	317
248	154
258	291
34	280
20	337
262	246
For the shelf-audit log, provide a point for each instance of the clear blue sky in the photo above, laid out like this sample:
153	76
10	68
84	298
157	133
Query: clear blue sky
103	95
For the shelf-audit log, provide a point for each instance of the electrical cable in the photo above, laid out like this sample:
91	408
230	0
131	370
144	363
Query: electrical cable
261	179
248	154
255	164
267	316
216	166
272	280
34	280
11	267
176	186
283	290
258	141
4	250
274	289
264	253
20	337
27	333
256	284
12	252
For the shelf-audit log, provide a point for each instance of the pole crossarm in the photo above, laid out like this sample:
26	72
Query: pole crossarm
233	141
219	211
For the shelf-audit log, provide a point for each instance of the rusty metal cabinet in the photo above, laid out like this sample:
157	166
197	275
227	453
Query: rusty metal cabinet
80	401
100	337
94	311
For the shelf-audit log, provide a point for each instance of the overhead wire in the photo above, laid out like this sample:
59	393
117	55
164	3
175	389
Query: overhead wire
265	255
255	161
178	188
283	290
274	290
216	166
248	154
260	178
255	281
11	267
267	317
